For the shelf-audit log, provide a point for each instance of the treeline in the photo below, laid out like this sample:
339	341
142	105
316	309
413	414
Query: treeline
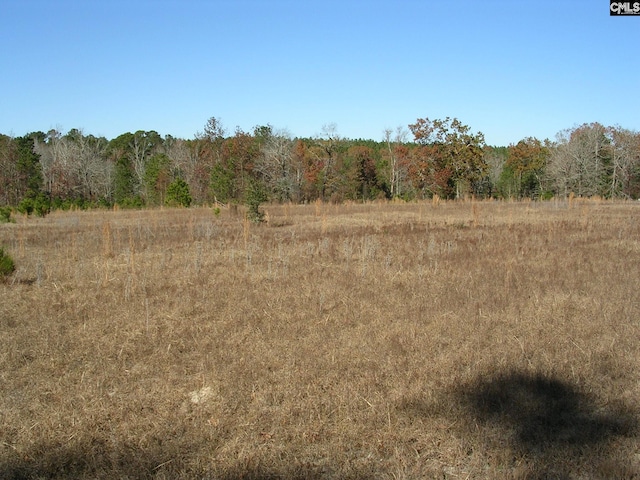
41	171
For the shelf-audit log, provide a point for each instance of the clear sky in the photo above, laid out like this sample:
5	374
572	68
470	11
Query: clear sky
507	68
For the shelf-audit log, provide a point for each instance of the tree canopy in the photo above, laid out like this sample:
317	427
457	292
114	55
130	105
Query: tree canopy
445	158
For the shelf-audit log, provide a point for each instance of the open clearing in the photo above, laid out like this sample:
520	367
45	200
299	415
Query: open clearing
390	340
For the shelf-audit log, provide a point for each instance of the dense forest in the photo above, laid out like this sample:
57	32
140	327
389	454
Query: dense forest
43	171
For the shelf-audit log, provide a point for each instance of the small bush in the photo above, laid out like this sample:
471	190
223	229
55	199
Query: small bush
69	204
546	195
255	195
131	202
178	194
41	205
38	204
26	206
5	215
7	266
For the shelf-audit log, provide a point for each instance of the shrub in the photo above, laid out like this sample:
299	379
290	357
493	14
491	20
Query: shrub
255	195
38	204
26	206
131	202
546	195
69	204
178	194
5	215
6	264
41	205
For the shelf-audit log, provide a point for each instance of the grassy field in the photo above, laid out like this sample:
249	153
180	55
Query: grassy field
391	341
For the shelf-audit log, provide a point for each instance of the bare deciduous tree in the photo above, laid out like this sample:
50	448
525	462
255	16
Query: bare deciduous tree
625	161
578	162
74	166
397	174
276	165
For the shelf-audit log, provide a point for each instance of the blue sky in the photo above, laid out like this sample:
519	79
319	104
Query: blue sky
507	68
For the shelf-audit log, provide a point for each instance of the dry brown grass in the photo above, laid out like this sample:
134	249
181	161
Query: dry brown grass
395	341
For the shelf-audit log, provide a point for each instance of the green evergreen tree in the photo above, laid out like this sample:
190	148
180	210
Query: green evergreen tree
28	166
178	194
7	266
254	196
507	185
156	178
222	183
124	189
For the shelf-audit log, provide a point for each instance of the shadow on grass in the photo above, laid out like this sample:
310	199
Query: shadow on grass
97	460
525	425
545	423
